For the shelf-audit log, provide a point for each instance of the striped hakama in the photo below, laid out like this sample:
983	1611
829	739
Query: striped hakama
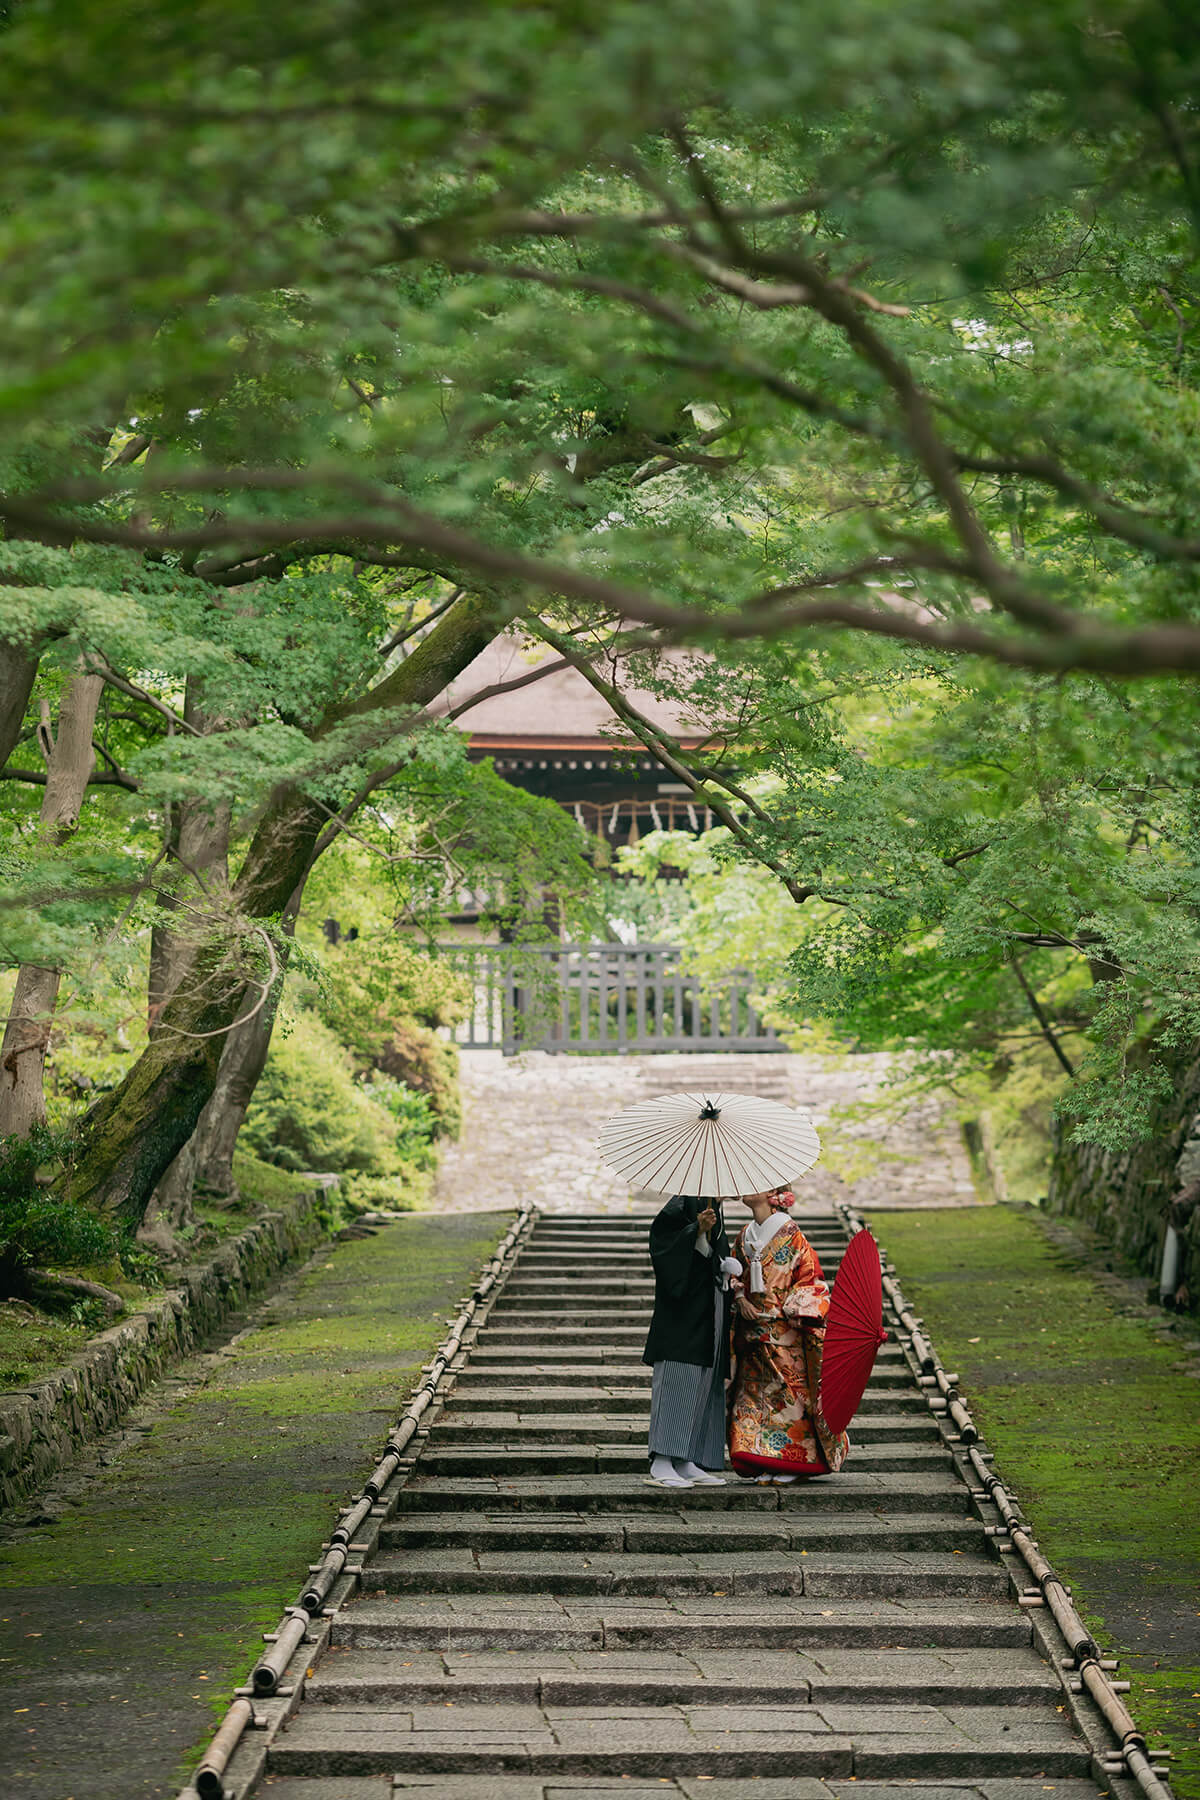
687	1405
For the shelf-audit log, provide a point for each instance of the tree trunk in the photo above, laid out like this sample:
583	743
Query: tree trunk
131	1136
18	671
170	1210
199	847
206	1160
222	1119
69	760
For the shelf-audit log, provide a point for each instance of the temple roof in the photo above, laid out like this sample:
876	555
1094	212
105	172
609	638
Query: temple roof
560	712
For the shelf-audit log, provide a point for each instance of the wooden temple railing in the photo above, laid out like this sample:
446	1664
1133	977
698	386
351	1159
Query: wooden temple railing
603	999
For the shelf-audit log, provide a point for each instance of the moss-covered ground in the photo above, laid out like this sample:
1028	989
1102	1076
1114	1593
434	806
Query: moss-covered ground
1093	1410
33	1341
125	1624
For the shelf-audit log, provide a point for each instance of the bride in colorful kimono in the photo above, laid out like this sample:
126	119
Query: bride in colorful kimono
776	1431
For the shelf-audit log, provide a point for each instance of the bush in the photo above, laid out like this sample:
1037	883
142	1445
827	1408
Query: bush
415	1121
308	1112
404	1192
386	1001
420	1059
35	1226
376	983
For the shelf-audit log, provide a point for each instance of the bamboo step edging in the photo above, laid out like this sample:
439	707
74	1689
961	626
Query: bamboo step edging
1089	1671
209	1781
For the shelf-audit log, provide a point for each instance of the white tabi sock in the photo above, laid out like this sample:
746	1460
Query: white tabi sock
663	1470
693	1472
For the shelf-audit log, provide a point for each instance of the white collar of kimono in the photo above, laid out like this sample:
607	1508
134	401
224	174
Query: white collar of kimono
755	1239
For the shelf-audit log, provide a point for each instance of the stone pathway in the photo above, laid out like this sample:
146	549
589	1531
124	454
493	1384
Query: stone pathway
531	1122
536	1622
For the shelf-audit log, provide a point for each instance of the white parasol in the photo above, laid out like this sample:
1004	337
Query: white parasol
711	1145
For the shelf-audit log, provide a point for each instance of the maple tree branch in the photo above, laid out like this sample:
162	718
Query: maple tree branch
1077	642
1118	520
1039	1013
101	778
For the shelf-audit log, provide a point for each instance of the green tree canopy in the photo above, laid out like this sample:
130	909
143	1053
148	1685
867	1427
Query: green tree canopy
333	342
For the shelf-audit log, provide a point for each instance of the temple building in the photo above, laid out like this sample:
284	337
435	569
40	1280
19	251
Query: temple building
557	737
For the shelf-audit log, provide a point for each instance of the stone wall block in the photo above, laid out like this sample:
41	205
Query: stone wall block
43	1426
1123	1196
16	1421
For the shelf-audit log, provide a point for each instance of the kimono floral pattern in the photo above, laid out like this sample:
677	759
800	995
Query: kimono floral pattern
775	1422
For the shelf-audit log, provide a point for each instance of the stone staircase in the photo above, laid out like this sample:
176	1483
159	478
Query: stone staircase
538	1623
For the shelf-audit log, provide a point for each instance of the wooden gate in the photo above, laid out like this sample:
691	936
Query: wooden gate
602	999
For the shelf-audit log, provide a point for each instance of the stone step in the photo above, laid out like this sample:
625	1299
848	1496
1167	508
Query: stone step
578	1251
605	1266
579	1256
510	1460
685	1531
532	1329
951	1677
506	1338
601	1222
534	1352
857	1574
574	1299
560	1271
531	1624
591	1287
623	1301
471	1396
578	1315
566	1261
558	1230
621	1236
772	1739
459	1786
609	1227
562	1266
638	1218
483	1376
549	1349
852	1491
548	1244
575	1428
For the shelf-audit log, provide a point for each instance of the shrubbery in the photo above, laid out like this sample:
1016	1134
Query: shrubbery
386	1002
422	1060
309	1112
35	1226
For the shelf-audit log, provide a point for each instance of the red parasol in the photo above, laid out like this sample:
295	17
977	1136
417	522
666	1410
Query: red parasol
853	1331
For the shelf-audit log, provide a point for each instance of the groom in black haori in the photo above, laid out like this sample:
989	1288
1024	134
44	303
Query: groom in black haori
688	1342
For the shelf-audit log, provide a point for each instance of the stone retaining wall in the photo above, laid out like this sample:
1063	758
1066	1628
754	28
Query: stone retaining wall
43	1425
1123	1196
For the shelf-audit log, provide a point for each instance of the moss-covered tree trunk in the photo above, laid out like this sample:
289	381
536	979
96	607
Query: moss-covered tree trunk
206	1160
69	761
199	852
129	1139
222	1119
